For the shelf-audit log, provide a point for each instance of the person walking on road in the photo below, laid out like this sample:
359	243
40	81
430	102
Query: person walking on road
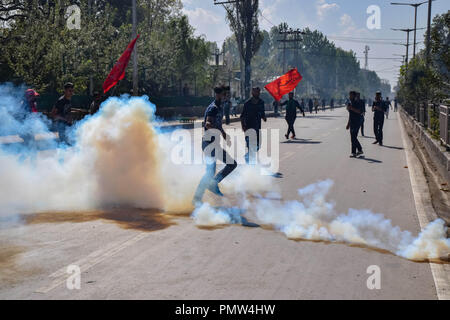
363	108
379	110
303	107
291	114
316	105
310	105
354	123
395	104
212	149
323	105
251	117
61	112
227	104
388	107
332	104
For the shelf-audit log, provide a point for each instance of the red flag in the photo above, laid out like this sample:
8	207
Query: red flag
284	84
118	72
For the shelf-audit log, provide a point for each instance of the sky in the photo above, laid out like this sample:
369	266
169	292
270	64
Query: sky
343	21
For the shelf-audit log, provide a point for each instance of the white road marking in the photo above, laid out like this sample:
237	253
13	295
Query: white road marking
422	201
91	260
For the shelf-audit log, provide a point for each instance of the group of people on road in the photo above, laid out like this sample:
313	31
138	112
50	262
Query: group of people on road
60	113
357	110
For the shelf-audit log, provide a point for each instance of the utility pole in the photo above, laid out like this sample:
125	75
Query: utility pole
135	56
91	77
415	5
295	40
407	39
366	55
241	64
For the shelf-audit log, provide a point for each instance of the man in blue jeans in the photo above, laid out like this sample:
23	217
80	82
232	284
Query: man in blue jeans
354	123
212	149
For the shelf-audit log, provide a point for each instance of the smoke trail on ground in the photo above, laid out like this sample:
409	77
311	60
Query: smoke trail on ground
312	217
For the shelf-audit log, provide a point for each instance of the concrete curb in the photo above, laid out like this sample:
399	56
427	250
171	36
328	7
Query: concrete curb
437	153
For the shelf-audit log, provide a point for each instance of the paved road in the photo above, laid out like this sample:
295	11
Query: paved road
131	254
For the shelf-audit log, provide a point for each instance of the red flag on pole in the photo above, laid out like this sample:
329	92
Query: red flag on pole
284	84
118	72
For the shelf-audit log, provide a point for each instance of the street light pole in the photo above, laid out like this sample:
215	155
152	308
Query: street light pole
135	57
429	32
415	5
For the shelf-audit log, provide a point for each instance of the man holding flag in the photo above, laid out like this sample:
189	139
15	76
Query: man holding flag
281	86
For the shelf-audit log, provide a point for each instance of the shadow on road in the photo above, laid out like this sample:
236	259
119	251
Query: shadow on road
302	141
369	160
391	147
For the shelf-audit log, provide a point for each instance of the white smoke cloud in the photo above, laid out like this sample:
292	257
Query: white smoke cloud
314	218
121	159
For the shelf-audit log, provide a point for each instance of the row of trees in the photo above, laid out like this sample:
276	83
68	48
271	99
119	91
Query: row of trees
37	47
328	71
426	79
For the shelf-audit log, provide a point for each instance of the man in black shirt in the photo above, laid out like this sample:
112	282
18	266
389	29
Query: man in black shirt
354	123
61	112
379	109
251	117
362	103
291	114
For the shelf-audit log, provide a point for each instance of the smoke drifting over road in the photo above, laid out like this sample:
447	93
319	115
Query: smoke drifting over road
121	159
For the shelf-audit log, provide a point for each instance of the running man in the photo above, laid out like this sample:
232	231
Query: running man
212	149
251	117
291	114
354	123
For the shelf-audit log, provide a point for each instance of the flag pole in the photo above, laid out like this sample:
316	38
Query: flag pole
135	56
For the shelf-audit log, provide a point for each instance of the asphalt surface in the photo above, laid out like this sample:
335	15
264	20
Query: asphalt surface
136	254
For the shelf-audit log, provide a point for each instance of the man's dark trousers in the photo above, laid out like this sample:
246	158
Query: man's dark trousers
251	153
362	125
290	122
378	123
354	129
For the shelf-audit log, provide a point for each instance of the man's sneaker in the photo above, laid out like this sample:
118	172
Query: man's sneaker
353	155
381	143
214	188
287	136
359	153
375	142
